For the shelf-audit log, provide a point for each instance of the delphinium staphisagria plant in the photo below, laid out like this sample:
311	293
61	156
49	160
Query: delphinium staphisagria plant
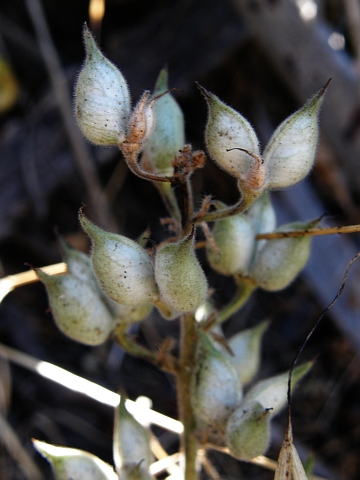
101	295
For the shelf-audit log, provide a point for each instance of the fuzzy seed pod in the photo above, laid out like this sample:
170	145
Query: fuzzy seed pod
129	471
131	441
272	392
235	239
288	157
70	463
215	387
227	129
246	346
281	260
78	310
290	153
167	136
79	265
102	99
262	216
123	268
248	431
179	276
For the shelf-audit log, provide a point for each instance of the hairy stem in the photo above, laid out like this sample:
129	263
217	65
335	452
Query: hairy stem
247	198
188	342
165	362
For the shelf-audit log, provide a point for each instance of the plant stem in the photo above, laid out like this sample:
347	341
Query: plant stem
245	289
188	342
121	336
247	198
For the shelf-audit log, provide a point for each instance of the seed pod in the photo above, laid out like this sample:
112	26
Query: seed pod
215	387
281	260
79	264
77	309
248	431
272	392
290	153
263	219
123	268
227	129
179	276
246	347
235	239
102	99
129	471
131	441
167	136
70	463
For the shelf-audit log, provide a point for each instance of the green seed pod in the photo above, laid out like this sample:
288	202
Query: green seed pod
272	392
179	276
131	313
129	471
215	387
235	239
290	153
263	219
79	265
123	268
227	129
70	463
246	346
78	310
281	260
102	99
131	441
248	431
167	136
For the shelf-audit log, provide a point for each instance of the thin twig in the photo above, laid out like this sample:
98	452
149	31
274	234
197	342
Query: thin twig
81	154
303	345
310	232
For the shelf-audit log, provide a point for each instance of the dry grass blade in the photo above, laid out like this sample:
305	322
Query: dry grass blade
289	466
11	442
8	284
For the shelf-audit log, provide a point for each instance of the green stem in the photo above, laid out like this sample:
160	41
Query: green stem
248	197
188	342
168	196
245	289
166	362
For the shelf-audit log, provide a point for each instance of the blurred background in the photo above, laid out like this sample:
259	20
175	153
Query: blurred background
265	58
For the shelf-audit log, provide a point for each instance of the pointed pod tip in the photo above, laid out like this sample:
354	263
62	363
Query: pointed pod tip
161	84
208	96
324	88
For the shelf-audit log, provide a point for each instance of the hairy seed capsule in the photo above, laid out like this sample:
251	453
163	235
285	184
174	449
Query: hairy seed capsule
248	431
272	392
102	99
131	440
71	463
215	388
78	310
179	276
235	239
279	261
167	136
123	268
